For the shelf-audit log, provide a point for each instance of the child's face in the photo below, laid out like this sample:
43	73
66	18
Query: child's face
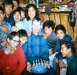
36	27
1	16
31	12
60	34
48	31
23	40
8	9
22	14
17	17
14	42
15	4
64	50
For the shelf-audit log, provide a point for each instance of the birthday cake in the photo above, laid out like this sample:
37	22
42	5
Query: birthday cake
39	68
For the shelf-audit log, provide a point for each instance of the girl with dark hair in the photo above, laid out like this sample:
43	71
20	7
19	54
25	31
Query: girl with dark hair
18	22
16	15
31	13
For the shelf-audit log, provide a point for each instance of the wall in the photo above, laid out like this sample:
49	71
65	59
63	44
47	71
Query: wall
59	18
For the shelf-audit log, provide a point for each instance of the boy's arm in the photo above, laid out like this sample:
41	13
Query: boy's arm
4	28
57	45
45	51
62	64
24	46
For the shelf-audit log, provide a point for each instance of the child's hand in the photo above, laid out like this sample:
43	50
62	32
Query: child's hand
28	67
45	36
14	28
47	64
50	52
29	33
56	59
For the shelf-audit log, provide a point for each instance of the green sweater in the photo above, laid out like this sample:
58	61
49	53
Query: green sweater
72	64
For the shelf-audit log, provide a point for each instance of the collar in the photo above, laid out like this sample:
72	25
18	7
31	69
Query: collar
34	34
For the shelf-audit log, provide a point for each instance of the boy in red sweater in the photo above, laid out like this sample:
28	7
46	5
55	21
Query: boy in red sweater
12	60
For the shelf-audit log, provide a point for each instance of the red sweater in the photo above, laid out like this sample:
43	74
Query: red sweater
12	64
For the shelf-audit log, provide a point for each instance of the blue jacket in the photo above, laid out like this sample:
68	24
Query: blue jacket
36	48
66	38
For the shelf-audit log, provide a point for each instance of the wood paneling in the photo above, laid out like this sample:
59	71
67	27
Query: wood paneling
59	18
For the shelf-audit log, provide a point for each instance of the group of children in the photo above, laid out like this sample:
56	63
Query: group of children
31	40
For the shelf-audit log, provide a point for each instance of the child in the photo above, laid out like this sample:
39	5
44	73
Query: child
52	39
22	12
8	6
31	12
23	39
12	60
37	48
61	33
68	50
16	4
23	36
5	28
17	17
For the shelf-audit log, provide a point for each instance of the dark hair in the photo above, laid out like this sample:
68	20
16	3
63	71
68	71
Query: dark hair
22	33
60	27
26	11
7	2
21	9
1	9
17	1
49	23
69	45
16	10
12	35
